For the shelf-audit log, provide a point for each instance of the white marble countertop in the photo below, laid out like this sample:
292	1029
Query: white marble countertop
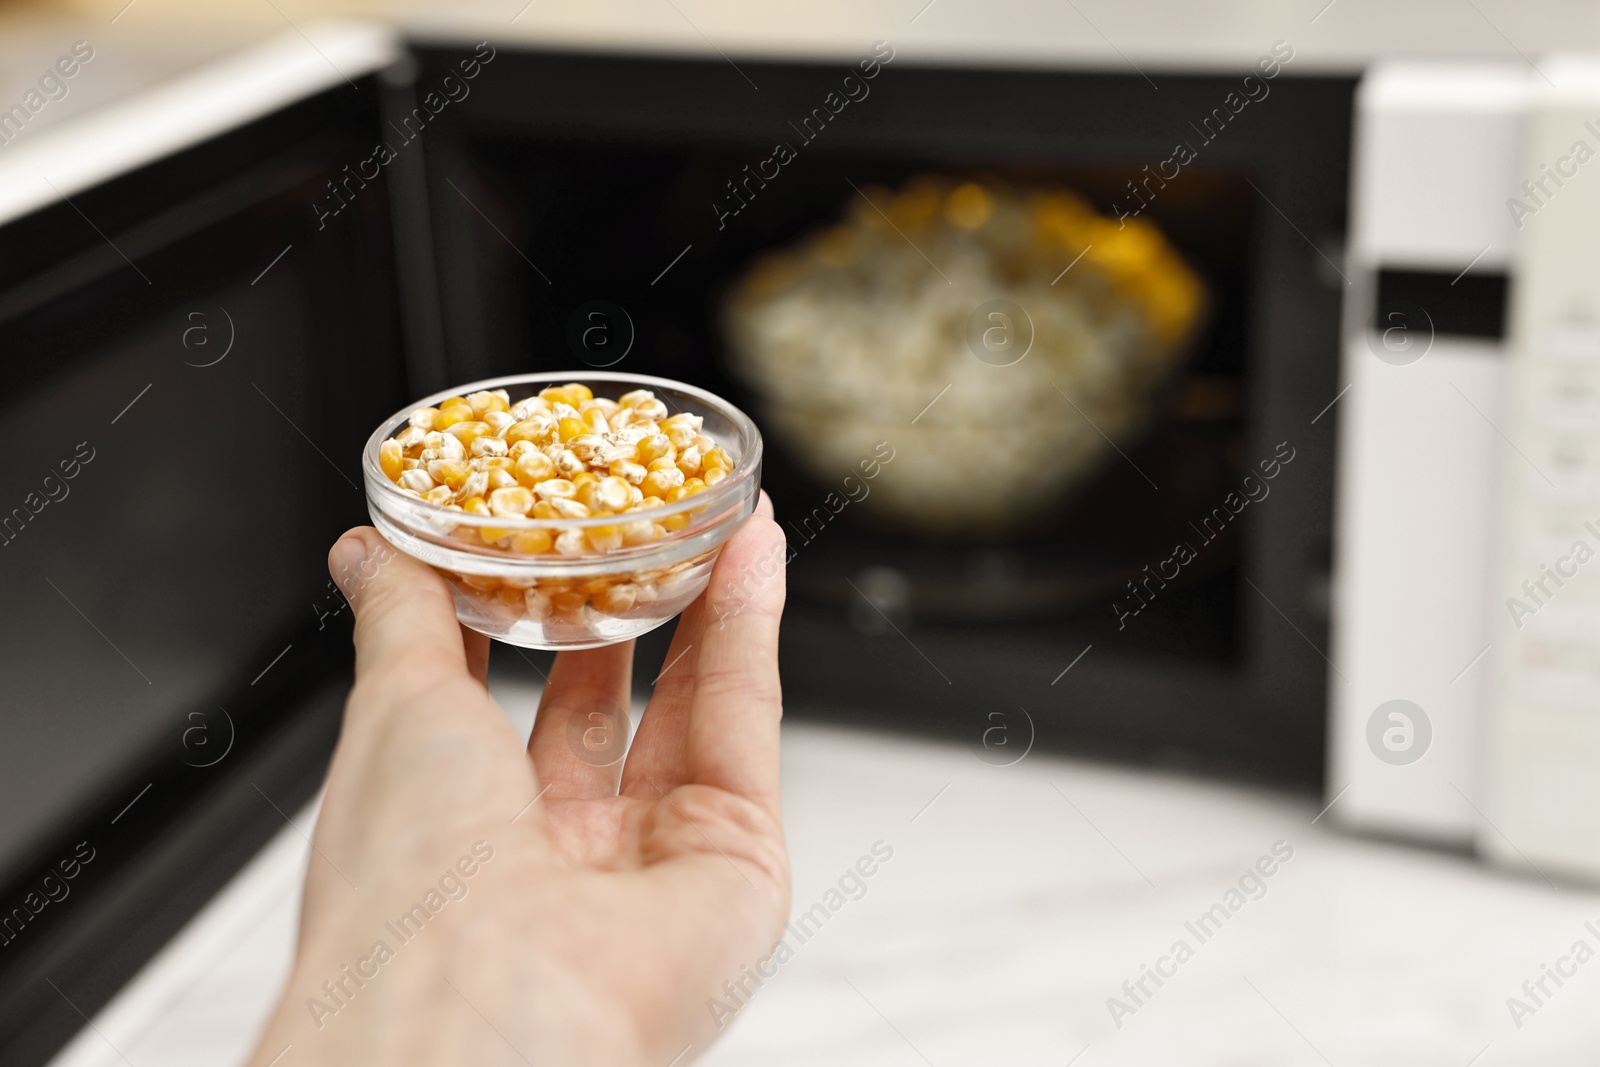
1018	900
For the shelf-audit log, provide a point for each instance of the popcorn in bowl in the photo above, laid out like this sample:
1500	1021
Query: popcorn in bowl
1001	339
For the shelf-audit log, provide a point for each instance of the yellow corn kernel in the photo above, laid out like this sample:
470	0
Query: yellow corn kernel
578	392
568	464
467	431
422	418
688	461
604	538
535	467
543	510
449	472
556	488
657	531
653	409
595	420
452	414
391	459
568	508
411	440
483	583
704	442
494	463
655	447
439	494
487	445
681	436
629	471
589	447
500	479
454	401
717	457
650	502
568	428
588	494
511	501
617	599
675	522
584	478
484	402
535	429
657	482
476	505
637	533
572	543
477	484
614	493
635	398
694	485
554	394
677	493
568	602
713	476
528	407
536	603
418	481
682	418
665	463
448	445
531	542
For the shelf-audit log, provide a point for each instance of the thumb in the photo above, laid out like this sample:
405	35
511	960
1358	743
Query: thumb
405	614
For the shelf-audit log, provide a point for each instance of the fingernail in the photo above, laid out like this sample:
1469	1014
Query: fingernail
344	560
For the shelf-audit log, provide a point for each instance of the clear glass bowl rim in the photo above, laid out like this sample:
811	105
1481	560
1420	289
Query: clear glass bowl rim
724	493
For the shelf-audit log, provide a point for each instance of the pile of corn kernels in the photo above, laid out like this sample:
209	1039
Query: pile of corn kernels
563	454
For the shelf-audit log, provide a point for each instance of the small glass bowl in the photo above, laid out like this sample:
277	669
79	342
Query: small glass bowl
548	600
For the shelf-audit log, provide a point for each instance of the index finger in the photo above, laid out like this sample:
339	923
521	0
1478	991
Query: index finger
738	701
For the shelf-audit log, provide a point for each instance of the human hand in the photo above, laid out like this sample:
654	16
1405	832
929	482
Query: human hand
595	922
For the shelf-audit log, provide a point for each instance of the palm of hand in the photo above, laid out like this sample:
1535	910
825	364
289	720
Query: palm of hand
621	894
